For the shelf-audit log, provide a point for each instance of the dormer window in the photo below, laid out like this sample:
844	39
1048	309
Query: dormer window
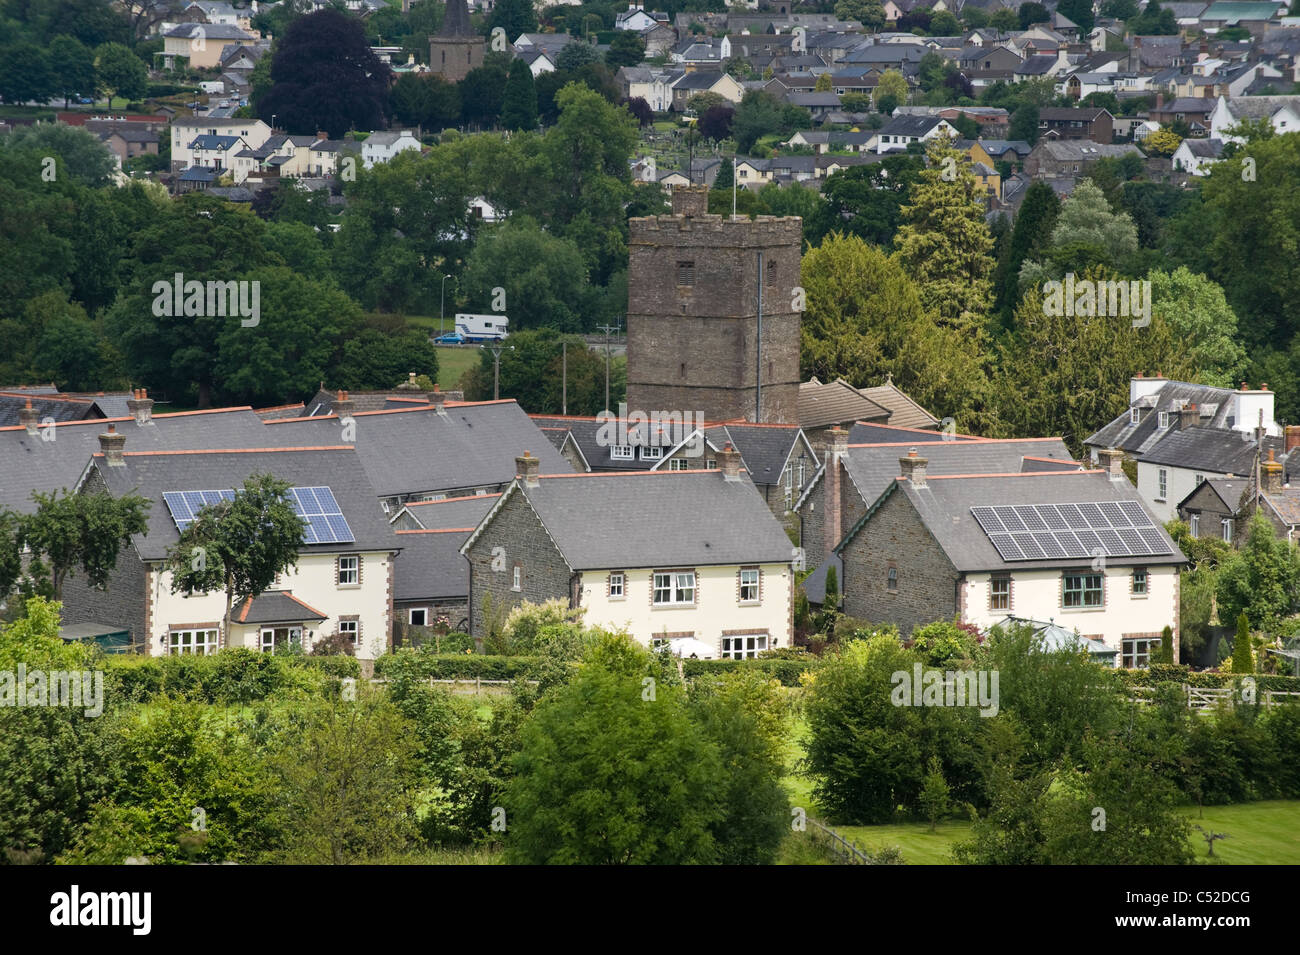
1134	416
1164	419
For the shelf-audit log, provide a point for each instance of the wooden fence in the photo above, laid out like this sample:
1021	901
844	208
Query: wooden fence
847	852
1207	698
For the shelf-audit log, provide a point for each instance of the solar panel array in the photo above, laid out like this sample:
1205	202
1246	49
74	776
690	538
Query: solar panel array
1061	531
325	521
185	505
321	514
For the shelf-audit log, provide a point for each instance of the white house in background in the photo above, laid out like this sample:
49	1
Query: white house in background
341	585
539	61
480	208
383	146
634	18
1180	433
895	135
724	577
201	141
1073	547
1196	156
1282	111
653	86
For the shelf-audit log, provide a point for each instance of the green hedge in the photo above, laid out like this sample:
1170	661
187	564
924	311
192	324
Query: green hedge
456	666
786	671
1159	673
230	676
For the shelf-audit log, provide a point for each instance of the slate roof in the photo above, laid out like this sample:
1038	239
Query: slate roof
1000	147
909	125
698	80
1259	107
1233	492
835	402
151	473
1207	449
412	451
944	506
1204	148
763	449
1076	150
112	403
814	585
584	432
28	463
870	433
903	411
714	520
202	174
430	566
274	606
453	512
1234	11
1215	405
1036	65
58	407
1069	114
872	466
210	31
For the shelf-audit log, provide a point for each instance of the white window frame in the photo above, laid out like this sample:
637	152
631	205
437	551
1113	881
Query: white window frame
711	464
268	645
350	629
891	580
651	452
1000	597
1194	523
1162	484
676	584
1141	579
424	616
1135	652
1082	591
749	580
1134	416
621	452
1163	420
199	643
678	464
1197	479
354	571
617	586
743	647
517	578
1225	527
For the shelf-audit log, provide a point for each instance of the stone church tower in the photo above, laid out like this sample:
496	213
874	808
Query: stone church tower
456	49
693	342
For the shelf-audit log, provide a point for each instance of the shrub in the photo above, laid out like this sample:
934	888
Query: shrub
786	671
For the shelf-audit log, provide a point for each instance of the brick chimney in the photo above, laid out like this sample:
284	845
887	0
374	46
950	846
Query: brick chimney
29	419
1292	438
729	463
1111	461
438	399
690	200
409	384
913	467
526	468
343	405
1272	474
1188	416
141	407
111	444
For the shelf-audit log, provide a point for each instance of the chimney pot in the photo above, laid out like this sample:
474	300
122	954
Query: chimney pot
729	463
1292	437
141	407
913	468
438	398
112	444
526	469
839	441
344	405
1112	460
28	418
1273	474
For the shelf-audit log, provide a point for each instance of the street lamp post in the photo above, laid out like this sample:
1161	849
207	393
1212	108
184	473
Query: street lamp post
607	329
442	305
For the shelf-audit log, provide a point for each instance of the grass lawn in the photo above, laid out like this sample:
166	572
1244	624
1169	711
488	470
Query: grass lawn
453	362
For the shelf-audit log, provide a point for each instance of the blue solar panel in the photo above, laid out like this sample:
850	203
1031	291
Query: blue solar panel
324	520
184	506
1091	528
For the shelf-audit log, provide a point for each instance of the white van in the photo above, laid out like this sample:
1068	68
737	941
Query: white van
481	328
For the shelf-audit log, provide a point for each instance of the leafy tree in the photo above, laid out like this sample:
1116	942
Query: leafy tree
641	111
73	66
758	114
121	72
1088	233
1153	21
893	84
865	321
716	122
1261	579
1120	9
533	374
866	201
1031	13
626	49
935	796
85	532
1063	374
1242	661
543	276
84	157
26	74
945	244
11	552
1198	314
1024	124
326	77
944	23
482	93
974	18
574	55
519	102
347	772
870	13
427	101
855	102
1033	230
238	546
1004	19
612	770
514	17
832	601
823	83
1080	11
1162	142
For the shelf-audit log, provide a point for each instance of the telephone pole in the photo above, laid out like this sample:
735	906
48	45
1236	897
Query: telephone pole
496	351
607	329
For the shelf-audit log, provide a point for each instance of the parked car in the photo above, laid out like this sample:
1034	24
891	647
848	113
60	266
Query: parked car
451	338
85	99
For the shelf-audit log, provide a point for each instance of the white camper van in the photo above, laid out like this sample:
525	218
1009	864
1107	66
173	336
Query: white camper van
481	328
